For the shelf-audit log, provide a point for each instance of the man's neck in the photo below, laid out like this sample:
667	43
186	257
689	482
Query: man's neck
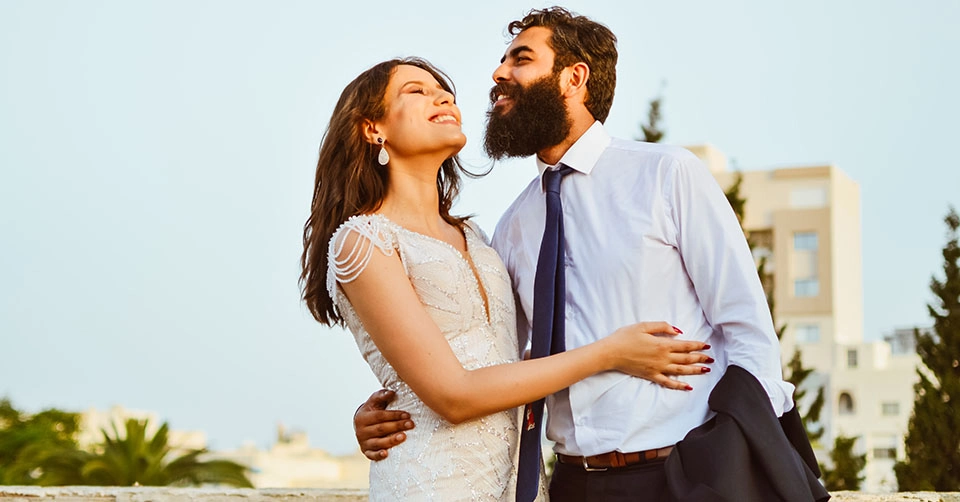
552	155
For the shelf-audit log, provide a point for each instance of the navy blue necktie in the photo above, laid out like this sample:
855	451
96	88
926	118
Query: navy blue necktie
549	291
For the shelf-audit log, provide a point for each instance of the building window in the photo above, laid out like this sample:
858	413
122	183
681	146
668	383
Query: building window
807	333
884	446
806	284
805	241
845	404
852	358
806	288
890	409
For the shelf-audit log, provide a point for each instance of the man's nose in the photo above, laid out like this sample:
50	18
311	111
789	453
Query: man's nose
501	74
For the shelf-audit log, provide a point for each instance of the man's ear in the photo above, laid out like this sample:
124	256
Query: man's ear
575	79
371	132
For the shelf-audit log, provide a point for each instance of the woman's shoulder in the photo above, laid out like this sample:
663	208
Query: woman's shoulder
363	229
352	244
472	226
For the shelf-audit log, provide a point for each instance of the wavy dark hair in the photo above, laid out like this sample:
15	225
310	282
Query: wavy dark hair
577	39
350	181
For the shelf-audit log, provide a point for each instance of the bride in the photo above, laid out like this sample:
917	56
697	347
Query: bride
428	301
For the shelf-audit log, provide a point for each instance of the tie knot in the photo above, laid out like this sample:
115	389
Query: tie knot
553	177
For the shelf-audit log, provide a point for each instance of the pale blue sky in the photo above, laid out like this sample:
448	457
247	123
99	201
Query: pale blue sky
157	159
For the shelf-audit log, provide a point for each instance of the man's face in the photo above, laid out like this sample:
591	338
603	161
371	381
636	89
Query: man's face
528	112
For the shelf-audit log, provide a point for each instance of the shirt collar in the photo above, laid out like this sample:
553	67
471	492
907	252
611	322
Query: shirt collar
583	155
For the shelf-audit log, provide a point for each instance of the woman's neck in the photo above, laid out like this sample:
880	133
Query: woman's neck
412	199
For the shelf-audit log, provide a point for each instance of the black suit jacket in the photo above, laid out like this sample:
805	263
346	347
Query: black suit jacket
744	453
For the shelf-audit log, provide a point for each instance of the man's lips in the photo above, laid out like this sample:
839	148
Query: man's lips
501	94
502	100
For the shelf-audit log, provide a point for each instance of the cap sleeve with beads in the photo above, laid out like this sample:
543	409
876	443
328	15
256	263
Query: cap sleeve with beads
478	231
352	245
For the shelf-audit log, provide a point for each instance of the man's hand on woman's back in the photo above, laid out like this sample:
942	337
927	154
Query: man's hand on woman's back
377	428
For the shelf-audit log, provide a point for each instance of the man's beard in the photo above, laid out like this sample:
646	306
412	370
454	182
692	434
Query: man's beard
537	119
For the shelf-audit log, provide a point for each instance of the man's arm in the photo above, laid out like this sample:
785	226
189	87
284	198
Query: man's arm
377	428
724	275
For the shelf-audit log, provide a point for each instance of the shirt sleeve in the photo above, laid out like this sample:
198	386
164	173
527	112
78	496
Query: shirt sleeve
500	244
724	276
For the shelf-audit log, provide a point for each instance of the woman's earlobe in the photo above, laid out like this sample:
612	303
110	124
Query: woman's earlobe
371	133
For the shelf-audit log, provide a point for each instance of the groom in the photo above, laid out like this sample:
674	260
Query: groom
648	235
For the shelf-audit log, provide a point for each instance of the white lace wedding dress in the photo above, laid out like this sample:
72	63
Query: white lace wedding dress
439	461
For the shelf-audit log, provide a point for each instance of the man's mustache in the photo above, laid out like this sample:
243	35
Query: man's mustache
504	89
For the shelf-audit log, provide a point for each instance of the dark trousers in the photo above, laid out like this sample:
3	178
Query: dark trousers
641	482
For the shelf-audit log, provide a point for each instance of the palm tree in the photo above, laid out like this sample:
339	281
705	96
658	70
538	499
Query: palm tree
135	459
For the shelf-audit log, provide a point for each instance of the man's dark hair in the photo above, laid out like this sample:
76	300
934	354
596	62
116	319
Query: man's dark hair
577	39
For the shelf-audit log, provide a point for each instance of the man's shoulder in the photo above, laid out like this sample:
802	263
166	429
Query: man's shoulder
514	211
652	152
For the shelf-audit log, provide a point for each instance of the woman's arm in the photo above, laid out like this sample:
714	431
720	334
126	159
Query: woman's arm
411	342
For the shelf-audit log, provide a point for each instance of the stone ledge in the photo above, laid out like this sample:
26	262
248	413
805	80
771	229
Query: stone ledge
163	494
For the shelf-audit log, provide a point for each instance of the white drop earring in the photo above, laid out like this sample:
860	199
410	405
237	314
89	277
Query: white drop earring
384	157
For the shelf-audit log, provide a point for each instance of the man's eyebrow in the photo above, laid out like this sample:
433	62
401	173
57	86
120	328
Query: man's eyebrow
516	52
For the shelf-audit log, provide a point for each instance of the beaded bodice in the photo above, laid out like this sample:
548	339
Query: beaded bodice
473	460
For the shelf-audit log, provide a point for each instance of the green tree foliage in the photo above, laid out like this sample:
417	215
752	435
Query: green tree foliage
135	458
797	373
933	434
652	133
42	450
738	202
845	474
25	439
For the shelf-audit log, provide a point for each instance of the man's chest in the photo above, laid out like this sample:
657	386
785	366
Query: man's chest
614	246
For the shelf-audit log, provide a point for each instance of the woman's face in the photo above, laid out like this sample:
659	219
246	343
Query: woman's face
421	117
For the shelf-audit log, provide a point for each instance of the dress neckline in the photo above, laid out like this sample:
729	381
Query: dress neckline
466	239
467	260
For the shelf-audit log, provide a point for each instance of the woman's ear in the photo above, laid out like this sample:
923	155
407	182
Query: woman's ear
371	132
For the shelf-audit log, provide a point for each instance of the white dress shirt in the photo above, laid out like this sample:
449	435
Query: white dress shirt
649	237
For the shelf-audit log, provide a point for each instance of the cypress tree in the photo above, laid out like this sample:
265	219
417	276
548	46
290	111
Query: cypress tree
652	133
845	474
933	435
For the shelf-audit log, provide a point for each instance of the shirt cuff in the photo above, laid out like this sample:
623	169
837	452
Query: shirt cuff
780	393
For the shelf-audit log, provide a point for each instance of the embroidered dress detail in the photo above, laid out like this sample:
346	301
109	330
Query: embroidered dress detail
363	233
439	461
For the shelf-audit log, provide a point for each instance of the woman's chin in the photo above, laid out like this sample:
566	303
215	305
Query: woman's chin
457	145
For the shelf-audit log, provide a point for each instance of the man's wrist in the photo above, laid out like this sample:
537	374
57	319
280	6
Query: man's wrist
355	417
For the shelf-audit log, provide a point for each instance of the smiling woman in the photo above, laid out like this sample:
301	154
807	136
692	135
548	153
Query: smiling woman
428	301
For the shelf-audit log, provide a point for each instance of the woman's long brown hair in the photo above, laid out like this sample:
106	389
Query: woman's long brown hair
350	181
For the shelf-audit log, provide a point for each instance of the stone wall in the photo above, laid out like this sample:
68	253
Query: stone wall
149	494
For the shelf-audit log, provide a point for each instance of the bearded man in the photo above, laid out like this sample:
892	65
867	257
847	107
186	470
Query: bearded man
644	232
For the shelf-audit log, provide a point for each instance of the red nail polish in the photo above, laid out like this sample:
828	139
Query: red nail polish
710	360
706	346
677	330
704	369
689	388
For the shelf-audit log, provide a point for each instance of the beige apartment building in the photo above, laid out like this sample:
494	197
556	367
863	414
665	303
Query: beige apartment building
806	222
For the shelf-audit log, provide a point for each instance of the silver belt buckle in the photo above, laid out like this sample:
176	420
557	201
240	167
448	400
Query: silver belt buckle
587	467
